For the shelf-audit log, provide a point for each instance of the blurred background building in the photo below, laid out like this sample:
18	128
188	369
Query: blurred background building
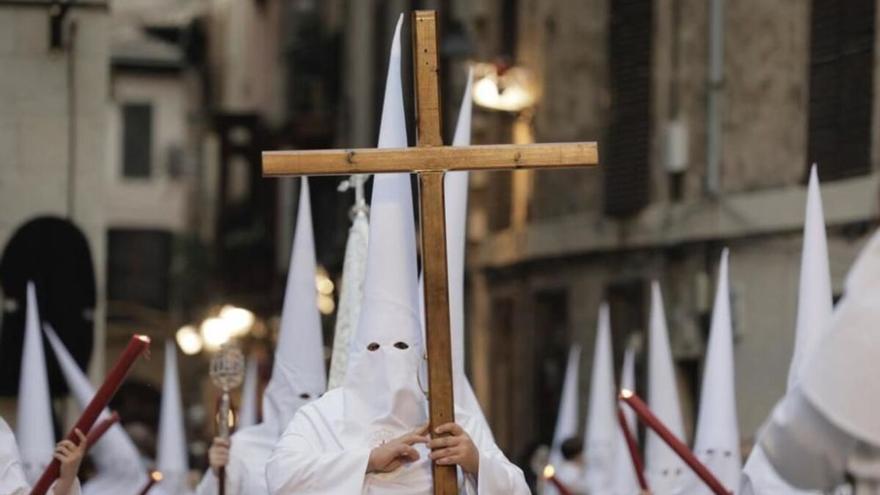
130	183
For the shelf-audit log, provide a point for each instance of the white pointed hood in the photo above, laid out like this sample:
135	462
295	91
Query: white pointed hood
34	429
843	363
716	441
171	455
456	198
115	455
298	374
567	418
600	439
625	480
351	294
382	395
665	470
814	293
813	319
247	415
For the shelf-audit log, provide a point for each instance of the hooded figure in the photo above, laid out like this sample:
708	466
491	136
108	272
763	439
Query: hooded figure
666	472
826	427
813	318
35	430
566	425
625	481
12	479
36	440
171	455
716	441
116	457
600	440
298	375
368	435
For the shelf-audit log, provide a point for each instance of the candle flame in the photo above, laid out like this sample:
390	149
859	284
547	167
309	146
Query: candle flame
626	393
156	476
549	471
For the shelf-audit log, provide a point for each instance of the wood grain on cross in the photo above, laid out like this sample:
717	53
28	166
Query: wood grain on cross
430	160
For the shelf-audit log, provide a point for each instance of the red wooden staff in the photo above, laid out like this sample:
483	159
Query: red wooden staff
136	346
99	429
638	466
550	475
645	414
155	477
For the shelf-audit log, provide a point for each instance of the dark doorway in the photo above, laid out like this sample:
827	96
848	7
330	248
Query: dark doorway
54	254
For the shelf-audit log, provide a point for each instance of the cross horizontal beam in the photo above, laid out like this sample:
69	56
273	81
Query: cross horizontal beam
429	159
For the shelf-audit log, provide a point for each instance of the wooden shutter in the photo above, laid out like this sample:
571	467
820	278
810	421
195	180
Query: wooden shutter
625	154
841	80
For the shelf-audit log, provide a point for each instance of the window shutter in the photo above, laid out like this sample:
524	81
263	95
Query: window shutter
625	155
841	80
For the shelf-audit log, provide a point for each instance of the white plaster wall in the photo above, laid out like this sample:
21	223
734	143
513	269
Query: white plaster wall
159	201
35	130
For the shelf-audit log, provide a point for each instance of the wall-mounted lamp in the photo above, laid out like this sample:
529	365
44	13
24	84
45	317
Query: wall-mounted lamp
504	88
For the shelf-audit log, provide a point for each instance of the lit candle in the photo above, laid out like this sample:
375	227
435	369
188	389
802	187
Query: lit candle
136	346
550	475
155	477
99	429
645	414
638	466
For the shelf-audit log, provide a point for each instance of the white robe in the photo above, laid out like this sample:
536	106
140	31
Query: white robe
311	459
12	480
810	452
249	450
573	476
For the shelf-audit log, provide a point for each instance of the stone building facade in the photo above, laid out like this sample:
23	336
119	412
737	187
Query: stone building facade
629	75
53	95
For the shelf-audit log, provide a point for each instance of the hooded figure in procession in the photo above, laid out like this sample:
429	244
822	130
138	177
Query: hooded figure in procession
14	477
825	430
370	435
298	374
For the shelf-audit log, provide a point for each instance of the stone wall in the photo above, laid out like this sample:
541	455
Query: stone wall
52	160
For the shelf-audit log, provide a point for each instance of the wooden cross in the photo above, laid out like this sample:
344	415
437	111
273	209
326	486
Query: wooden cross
430	160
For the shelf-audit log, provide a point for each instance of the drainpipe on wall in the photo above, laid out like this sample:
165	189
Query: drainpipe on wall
71	120
715	86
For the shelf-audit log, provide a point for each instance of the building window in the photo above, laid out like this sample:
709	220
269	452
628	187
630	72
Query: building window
137	140
626	151
138	267
841	87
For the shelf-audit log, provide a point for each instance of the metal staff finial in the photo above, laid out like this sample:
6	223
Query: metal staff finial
356	181
227	373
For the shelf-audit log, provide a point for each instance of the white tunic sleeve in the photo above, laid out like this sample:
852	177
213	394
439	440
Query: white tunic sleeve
804	447
301	465
496	474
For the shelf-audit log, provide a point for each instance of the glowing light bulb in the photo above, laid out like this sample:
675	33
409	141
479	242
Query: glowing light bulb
215	332
189	340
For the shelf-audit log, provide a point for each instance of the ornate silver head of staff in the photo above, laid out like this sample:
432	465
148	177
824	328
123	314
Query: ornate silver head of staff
227	373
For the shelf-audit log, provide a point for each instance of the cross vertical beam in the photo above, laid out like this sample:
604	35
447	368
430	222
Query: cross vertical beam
432	218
